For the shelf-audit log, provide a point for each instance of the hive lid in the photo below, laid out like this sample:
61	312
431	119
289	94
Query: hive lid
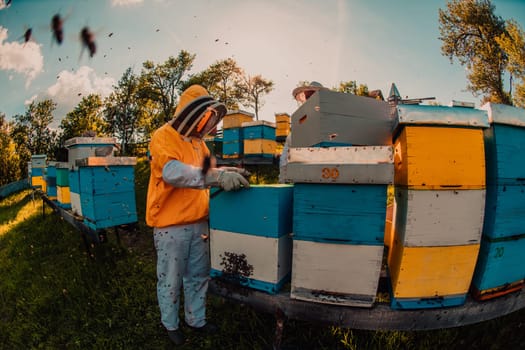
504	114
258	123
441	115
90	141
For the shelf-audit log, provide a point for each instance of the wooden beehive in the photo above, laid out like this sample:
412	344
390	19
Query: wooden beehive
107	191
430	277
504	144
260	148
82	147
260	129
283	122
499	269
437	157
332	273
427	218
74	191
342	214
62	180
63	197
234	119
343	165
329	117
51	181
252	227
232	149
38	161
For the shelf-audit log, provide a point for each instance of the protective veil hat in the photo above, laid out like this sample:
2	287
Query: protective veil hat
197	112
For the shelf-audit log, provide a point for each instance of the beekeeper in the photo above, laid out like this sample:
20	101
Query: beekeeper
177	208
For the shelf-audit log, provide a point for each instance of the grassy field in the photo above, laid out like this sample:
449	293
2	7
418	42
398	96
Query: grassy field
54	295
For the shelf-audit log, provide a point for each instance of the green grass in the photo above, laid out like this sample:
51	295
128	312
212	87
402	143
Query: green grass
54	295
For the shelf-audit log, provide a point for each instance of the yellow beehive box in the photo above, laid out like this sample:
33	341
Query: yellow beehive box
234	119
283	117
282	129
63	195
431	272
438	157
38	181
260	146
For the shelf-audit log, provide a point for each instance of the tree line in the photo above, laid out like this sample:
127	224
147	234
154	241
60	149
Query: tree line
490	48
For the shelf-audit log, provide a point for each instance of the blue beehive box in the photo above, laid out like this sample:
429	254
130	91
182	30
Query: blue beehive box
499	269
232	135
252	228
232	149
107	191
343	214
260	129
51	181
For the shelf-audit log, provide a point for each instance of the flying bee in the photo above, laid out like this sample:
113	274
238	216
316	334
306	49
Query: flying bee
27	34
57	27
87	37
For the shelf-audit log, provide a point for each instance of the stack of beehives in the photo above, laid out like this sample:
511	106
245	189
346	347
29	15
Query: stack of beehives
340	195
500	268
62	178
283	123
232	134
51	180
251	236
36	169
102	188
259	139
440	200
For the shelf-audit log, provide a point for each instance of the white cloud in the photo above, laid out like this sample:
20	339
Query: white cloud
29	100
125	2
23	58
71	87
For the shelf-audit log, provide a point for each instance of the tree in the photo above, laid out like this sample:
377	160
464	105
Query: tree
163	82
86	116
469	29
351	87
10	170
251	89
32	131
222	80
123	110
513	43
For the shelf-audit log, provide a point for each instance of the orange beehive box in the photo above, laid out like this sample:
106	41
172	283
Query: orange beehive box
438	157
234	119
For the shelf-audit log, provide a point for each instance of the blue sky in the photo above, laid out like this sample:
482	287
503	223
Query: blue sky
374	42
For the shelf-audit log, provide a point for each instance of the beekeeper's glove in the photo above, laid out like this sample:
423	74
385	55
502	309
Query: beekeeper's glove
227	180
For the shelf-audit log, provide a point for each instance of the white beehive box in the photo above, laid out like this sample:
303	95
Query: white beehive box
83	147
439	217
270	257
343	165
340	274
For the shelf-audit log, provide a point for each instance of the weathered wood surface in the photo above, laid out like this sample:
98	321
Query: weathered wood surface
380	316
13	187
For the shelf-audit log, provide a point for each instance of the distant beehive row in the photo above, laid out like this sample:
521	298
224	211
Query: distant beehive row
98	189
456	223
244	137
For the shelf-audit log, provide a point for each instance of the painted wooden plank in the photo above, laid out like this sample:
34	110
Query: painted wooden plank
13	187
38	182
441	115
504	114
270	258
76	204
431	157
340	274
500	264
346	214
263	210
344	118
74	181
438	217
110	179
505	211
358	165
431	272
427	303
504	146
37	172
